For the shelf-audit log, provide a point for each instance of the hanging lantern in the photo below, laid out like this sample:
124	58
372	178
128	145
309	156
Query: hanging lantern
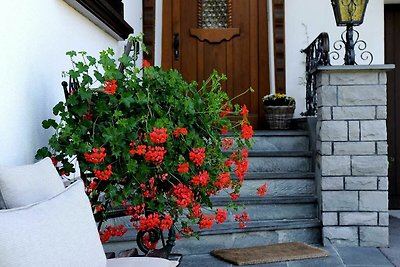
349	11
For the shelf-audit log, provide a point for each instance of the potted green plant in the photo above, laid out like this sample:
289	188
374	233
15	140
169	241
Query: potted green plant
150	142
279	109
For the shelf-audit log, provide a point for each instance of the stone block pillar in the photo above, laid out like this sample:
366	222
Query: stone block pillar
351	161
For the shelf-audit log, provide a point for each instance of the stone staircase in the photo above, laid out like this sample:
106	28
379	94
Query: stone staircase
287	213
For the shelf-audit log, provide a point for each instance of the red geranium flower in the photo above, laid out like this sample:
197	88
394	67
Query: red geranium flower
183	167
110	87
247	130
146	63
197	155
97	155
221	216
244	112
262	190
159	135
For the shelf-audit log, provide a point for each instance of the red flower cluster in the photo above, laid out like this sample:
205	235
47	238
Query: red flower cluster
146	63
201	179
187	230
154	220
140	149
135	211
242	164
223	181
206	221
54	160
262	190
97	155
234	196
111	231
88	116
147	223
243	219
197	155
178	131
150	191
166	222
147	243
183	194
224	130
183	167
159	135
110	87
103	175
221	215
92	186
227	143
241	169
247	130
155	154
244	112
224	112
196	210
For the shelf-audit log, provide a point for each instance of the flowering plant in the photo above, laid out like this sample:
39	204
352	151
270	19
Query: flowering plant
145	139
278	100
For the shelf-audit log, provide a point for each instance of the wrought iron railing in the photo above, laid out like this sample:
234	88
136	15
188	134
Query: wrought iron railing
317	54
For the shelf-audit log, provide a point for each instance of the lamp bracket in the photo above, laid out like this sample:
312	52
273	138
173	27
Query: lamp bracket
358	44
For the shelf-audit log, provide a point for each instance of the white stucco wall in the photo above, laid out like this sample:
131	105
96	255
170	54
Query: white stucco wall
305	19
35	37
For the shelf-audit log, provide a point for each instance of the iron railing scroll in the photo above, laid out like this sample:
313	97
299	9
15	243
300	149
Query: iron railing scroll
317	54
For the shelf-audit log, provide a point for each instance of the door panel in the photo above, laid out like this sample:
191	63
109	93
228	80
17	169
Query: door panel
240	51
392	55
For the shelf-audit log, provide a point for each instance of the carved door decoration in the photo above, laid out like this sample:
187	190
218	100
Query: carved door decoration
214	21
227	35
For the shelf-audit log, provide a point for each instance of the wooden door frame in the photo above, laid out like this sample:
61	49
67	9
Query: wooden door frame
393	120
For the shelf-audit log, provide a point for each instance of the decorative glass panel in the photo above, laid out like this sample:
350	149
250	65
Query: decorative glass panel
214	13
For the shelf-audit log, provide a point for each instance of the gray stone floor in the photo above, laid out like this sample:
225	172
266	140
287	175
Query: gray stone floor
339	256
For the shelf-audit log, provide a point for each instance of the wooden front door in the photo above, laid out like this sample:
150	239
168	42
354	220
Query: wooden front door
392	55
196	43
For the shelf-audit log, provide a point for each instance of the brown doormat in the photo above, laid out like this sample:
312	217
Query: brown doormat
269	253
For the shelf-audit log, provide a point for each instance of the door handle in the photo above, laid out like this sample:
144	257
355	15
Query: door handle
176	46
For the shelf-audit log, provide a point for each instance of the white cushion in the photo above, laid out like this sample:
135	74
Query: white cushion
57	232
140	262
24	185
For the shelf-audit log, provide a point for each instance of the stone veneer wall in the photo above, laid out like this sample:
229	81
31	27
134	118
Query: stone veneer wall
351	160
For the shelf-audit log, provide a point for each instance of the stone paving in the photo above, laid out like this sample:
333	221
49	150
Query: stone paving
339	256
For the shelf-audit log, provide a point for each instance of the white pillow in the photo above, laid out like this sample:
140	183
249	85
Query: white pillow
57	232
24	185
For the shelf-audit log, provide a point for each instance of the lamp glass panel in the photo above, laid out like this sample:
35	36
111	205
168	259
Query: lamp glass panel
352	10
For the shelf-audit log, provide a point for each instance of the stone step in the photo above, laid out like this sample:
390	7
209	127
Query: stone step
279	161
278	175
267	200
273	208
280	140
263	209
277	186
229	235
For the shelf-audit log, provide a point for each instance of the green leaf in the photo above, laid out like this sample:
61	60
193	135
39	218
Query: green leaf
71	53
98	76
125	60
58	108
46	124
92	60
42	153
85	94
